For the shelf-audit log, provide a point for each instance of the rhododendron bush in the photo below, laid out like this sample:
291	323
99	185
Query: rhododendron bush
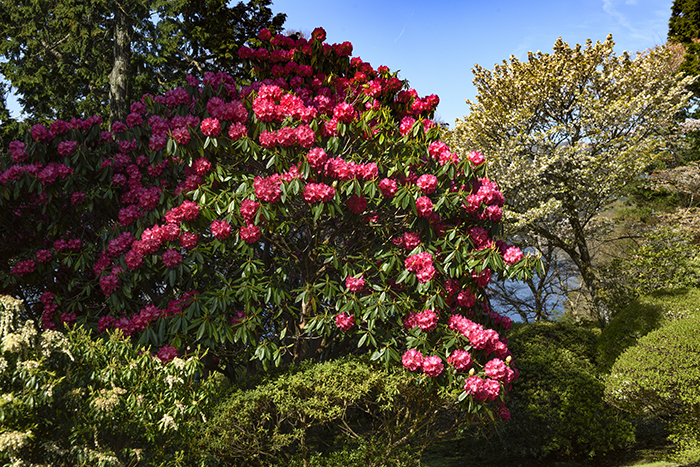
310	214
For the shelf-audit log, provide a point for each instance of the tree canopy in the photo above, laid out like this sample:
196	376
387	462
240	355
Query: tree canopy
77	58
565	131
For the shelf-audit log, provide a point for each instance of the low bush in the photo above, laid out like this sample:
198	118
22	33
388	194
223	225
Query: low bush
347	412
72	400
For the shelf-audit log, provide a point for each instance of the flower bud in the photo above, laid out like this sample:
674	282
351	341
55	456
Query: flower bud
471	372
508	359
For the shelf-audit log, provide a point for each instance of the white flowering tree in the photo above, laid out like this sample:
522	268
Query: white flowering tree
565	131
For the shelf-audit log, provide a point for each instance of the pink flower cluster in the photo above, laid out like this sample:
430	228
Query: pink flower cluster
460	359
426	320
167	353
24	267
427	183
388	187
50	306
482	390
422	265
318	192
146	316
248	210
344	321
220	229
441	152
409	240
250	233
357	204
424	206
511	254
268	189
413	360
487	340
302	136
485	192
355	284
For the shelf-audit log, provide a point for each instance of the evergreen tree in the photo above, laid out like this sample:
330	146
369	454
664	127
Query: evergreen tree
684	28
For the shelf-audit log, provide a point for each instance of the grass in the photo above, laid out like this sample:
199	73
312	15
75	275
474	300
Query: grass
652	449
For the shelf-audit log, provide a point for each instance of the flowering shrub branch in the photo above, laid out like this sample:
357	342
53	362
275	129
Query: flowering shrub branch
310	214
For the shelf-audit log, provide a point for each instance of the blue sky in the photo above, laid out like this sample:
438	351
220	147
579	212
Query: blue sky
436	43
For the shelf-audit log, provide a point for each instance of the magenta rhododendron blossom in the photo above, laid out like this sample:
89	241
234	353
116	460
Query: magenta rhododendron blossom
460	359
433	366
427	320
427	183
167	353
355	284
211	127
220	229
496	369
476	158
248	210
318	192
43	256
512	255
406	125
424	206
250	233
357	204
412	359
317	158
344	321
171	258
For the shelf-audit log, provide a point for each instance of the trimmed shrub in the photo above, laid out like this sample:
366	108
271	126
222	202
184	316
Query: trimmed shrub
347	411
642	316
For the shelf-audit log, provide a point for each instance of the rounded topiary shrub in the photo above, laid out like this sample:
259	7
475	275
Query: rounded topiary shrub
350	412
642	316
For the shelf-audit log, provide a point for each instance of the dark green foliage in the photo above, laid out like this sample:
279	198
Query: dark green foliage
643	315
556	404
684	27
661	376
345	412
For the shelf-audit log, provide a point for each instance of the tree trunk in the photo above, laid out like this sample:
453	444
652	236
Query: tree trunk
117	78
585	265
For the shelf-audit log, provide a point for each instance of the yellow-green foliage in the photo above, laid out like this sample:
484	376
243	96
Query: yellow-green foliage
661	376
642	316
75	400
314	412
